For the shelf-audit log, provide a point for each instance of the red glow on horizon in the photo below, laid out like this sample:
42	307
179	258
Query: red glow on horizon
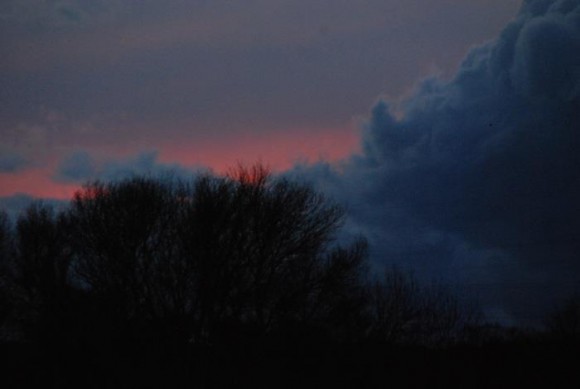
36	183
278	151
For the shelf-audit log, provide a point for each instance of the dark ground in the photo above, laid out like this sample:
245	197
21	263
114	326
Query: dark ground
541	363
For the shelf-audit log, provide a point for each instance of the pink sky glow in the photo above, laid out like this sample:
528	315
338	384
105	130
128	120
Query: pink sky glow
279	150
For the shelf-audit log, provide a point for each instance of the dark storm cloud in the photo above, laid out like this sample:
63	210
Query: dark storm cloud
478	178
495	152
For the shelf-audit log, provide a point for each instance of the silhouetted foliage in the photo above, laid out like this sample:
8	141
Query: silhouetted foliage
5	256
217	256
120	234
37	273
217	281
206	261
403	311
5	237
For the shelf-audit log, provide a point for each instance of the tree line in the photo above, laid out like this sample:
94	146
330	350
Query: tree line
207	266
202	260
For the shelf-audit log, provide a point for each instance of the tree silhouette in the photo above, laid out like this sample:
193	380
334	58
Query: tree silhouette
35	269
5	237
258	248
245	252
212	273
405	312
5	256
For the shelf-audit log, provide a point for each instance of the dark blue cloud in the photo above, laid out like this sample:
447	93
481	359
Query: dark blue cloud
495	152
478	178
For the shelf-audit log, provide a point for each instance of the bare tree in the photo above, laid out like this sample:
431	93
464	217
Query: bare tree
256	246
245	251
121	235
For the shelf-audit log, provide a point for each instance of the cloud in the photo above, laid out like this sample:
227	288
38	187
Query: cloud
77	167
494	152
145	163
81	166
481	174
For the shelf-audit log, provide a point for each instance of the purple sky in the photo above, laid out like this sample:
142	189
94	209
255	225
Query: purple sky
210	83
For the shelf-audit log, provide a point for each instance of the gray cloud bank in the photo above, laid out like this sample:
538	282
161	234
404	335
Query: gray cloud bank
477	180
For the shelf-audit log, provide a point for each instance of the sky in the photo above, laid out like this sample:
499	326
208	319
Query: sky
449	129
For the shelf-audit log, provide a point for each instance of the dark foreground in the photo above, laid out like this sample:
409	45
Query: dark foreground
553	364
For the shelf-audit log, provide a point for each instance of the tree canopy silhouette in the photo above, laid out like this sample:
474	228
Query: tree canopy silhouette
203	261
211	275
245	252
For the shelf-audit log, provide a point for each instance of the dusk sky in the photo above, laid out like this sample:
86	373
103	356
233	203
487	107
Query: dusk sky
449	129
